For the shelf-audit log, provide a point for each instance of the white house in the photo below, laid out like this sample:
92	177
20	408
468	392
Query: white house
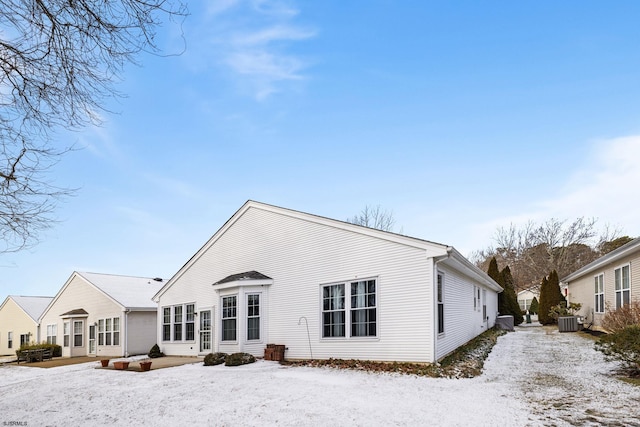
19	321
607	283
525	297
102	315
323	288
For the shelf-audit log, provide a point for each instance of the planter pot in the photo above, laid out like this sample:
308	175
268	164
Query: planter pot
145	366
105	362
121	365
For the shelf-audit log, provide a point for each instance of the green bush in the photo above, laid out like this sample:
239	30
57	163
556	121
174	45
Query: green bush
237	359
533	309
623	346
155	352
56	350
213	359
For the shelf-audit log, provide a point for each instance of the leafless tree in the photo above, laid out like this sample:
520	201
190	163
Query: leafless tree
374	217
533	250
59	60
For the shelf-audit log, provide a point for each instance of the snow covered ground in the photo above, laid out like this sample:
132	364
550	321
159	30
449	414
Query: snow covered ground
532	377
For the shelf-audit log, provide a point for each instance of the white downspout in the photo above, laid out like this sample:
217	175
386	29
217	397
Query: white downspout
125	332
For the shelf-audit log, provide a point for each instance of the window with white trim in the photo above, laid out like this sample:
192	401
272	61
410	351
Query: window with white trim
190	322
440	296
9	339
177	323
109	331
78	333
66	333
166	324
101	332
116	331
484	305
599	293
622	286
253	317
52	334
333	311
229	319
24	339
361	307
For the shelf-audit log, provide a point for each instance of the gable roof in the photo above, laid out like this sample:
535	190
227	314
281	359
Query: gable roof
249	275
616	254
431	248
130	292
32	306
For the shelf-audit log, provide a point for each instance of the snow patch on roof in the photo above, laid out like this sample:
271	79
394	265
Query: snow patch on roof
128	291
33	306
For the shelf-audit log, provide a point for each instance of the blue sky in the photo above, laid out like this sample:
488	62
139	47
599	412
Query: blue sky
459	117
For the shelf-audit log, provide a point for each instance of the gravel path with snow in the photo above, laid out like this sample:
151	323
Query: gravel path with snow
562	378
533	377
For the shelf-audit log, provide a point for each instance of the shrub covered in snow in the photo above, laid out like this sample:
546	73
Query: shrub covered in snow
213	359
623	346
237	359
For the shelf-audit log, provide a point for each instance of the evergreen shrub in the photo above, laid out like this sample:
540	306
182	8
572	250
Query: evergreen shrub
237	359
623	346
213	359
155	352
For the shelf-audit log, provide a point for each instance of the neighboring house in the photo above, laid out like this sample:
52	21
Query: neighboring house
102	315
323	288
525	297
19	321
607	283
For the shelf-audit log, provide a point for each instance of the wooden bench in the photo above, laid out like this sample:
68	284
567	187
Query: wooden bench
35	355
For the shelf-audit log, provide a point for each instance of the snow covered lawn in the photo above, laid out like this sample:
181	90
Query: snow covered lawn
532	377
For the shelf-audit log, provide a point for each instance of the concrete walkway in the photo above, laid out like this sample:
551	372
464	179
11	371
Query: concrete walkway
134	365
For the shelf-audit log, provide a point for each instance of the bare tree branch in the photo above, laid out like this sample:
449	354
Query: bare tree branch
59	60
374	217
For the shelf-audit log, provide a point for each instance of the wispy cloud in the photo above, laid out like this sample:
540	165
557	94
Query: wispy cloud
252	39
604	187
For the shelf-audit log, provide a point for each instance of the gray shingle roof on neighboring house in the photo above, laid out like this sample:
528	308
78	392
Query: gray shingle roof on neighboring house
128	291
33	306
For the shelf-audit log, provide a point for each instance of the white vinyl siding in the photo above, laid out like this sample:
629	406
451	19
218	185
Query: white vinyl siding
301	255
79	294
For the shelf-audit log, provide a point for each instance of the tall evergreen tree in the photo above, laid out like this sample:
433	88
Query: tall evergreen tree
508	297
493	270
556	292
545	303
550	295
533	308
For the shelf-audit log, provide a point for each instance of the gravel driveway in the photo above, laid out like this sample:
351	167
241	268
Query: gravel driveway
563	380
